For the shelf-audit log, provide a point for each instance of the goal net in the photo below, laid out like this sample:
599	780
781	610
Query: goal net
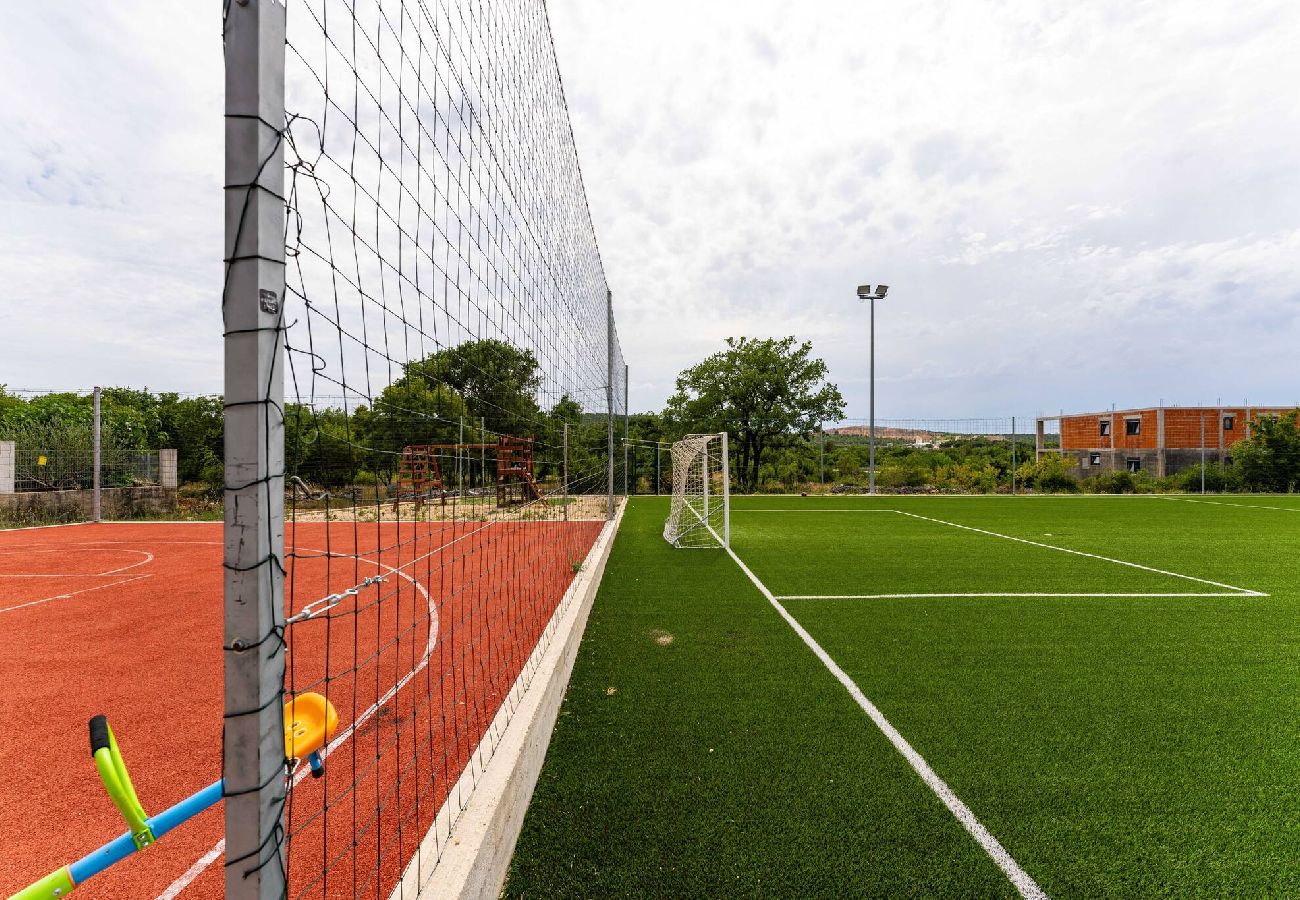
701	501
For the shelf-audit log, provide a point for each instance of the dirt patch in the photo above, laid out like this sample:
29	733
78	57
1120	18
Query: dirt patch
661	637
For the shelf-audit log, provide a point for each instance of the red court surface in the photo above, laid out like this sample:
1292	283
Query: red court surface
126	620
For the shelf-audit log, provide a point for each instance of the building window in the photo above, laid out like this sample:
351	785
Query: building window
1134	463
1105	427
1228	422
1094	459
1132	426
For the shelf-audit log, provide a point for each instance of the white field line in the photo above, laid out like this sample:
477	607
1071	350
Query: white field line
218	849
1226	503
1021	879
995	594
1238	591
148	558
69	594
194	871
775	510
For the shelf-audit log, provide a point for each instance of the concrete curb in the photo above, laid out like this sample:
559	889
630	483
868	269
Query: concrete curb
467	851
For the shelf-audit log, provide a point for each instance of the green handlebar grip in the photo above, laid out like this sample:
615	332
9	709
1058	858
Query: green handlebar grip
55	884
117	782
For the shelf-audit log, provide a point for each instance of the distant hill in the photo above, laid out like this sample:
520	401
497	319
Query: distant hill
911	435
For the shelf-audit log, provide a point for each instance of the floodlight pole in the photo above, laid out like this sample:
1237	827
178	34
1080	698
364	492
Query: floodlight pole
865	292
872	451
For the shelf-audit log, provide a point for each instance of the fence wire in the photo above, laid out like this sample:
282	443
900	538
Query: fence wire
453	417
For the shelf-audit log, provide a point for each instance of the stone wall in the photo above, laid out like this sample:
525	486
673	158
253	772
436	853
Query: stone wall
54	507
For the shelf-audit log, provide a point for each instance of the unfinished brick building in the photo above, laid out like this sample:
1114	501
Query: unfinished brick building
1161	440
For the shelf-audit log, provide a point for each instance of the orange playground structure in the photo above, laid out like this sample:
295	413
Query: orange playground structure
419	476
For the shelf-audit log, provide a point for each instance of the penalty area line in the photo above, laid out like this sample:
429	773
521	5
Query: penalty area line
1239	591
1001	594
1018	877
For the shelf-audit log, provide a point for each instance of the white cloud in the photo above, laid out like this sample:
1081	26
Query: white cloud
1075	205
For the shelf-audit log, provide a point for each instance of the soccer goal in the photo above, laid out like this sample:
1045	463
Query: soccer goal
701	510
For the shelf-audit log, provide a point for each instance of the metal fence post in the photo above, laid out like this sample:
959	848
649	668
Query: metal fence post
253	763
609	399
626	419
98	501
1013	455
1202	453
564	470
821	453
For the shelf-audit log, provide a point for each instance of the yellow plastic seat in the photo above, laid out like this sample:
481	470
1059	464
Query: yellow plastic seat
309	722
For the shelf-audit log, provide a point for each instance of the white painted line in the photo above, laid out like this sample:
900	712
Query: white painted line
194	871
70	594
217	850
1120	562
1019	878
995	594
65	550
1226	503
874	510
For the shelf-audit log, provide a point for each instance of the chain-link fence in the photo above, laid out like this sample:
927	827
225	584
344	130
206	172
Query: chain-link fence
74	470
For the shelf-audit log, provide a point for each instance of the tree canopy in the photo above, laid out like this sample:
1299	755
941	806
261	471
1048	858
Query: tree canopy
761	392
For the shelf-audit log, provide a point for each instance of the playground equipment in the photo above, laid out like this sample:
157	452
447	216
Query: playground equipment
419	475
309	723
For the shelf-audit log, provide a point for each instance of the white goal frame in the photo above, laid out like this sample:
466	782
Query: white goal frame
698	519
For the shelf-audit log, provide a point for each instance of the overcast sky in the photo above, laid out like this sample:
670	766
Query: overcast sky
1074	204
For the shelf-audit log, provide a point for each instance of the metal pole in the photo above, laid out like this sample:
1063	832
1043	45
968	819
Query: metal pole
658	475
564	470
872	451
609	399
98	500
482	452
460	454
1202	453
254	563
726	494
821	454
1013	455
626	420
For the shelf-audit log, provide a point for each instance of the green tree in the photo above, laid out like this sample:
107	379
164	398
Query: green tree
762	392
498	382
1269	460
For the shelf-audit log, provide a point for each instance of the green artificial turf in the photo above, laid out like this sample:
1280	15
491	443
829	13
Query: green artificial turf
1116	746
724	762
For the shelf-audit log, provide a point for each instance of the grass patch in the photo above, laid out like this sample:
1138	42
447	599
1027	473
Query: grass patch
1120	746
702	751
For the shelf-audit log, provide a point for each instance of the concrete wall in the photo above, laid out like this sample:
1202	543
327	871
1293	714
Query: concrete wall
1157	463
7	470
48	507
167	468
